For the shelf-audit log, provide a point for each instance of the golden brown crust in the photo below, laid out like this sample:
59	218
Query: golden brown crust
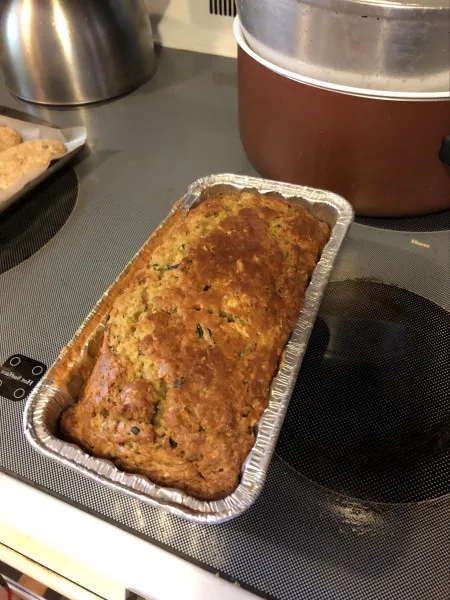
193	339
64	370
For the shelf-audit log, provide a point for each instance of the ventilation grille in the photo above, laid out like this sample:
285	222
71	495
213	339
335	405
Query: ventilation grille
226	8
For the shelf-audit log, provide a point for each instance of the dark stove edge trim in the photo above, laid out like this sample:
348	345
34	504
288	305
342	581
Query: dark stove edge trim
140	535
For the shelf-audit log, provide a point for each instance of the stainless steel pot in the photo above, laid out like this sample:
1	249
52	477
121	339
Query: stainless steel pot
72	52
399	46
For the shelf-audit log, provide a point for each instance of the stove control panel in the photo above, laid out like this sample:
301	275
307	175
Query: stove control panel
18	376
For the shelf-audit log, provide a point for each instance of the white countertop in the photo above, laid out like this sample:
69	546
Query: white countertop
96	554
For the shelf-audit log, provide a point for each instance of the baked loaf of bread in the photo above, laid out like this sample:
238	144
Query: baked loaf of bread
193	341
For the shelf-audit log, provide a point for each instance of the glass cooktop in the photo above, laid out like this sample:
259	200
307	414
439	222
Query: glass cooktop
356	504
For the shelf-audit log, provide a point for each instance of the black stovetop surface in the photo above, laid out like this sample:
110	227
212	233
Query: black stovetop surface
356	504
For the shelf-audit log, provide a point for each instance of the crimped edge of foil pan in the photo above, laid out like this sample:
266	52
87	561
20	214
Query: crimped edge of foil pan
47	402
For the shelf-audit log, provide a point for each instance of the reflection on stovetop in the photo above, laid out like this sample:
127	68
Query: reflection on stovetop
370	414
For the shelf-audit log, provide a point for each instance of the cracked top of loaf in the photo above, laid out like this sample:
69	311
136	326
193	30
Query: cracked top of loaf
193	341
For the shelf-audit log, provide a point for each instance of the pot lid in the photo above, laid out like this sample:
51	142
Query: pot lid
387	48
313	77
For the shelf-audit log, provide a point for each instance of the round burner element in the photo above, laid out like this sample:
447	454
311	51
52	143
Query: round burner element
370	413
30	223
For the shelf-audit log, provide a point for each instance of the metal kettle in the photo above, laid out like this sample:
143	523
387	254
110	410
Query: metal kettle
66	52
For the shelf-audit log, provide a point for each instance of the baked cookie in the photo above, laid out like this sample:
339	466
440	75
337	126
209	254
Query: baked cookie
27	157
8	138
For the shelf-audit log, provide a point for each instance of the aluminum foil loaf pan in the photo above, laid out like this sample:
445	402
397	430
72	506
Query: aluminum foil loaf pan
48	400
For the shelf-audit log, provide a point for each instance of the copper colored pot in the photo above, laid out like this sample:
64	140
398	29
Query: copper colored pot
382	155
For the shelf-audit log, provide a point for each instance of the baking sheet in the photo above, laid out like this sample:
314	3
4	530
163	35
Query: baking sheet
74	138
46	403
